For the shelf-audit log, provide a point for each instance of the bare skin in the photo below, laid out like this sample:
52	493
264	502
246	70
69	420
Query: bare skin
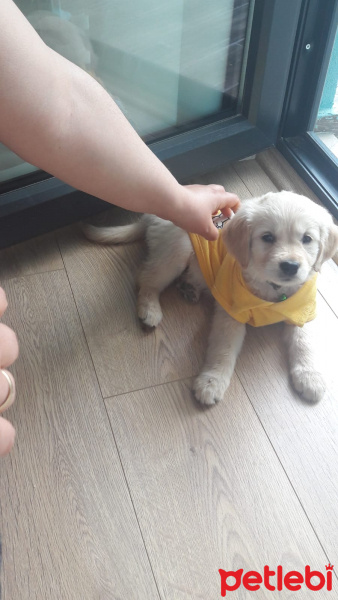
8	353
58	118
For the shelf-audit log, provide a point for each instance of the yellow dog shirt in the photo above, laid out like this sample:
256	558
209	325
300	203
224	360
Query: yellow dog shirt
223	276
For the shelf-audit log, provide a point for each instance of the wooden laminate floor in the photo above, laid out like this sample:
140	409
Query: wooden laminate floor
120	486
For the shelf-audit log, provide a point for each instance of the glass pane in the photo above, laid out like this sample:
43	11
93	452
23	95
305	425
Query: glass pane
326	126
167	64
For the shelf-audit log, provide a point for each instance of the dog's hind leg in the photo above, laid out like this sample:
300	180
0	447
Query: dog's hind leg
169	253
191	283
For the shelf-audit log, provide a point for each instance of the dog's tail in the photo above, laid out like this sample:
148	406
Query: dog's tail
115	235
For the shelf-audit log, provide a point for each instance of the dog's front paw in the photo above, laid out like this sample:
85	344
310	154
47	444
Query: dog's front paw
310	385
209	388
149	312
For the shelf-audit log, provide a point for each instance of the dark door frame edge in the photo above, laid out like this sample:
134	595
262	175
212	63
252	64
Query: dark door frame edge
314	166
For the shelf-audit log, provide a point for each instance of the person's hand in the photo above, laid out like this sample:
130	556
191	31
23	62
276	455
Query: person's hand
9	351
199	203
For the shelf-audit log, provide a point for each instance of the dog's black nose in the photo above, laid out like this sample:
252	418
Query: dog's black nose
289	267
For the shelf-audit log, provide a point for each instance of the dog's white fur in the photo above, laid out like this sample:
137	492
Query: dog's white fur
265	232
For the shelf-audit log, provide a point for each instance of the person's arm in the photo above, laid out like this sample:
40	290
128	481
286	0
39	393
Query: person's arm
60	119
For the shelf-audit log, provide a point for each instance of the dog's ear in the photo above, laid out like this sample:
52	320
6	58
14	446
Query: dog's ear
328	246
237	235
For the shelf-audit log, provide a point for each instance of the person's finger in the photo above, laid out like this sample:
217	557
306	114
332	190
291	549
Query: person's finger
7	389
3	302
211	232
227	212
230	201
216	187
9	347
7	436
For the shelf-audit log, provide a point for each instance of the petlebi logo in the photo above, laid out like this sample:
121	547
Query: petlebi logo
276	579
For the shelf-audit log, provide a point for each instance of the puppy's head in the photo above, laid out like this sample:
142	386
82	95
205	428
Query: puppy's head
281	238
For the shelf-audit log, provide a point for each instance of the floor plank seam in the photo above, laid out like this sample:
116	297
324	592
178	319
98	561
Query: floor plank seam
3	280
250	194
87	343
78	313
112	432
148	387
285	471
268	172
329	305
134	508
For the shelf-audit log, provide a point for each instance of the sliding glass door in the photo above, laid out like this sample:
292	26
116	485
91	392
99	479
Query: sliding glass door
326	125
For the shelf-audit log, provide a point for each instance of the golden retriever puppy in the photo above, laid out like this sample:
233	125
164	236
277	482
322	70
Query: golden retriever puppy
262	270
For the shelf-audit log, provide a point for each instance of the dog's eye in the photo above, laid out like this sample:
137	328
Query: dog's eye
268	238
307	239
